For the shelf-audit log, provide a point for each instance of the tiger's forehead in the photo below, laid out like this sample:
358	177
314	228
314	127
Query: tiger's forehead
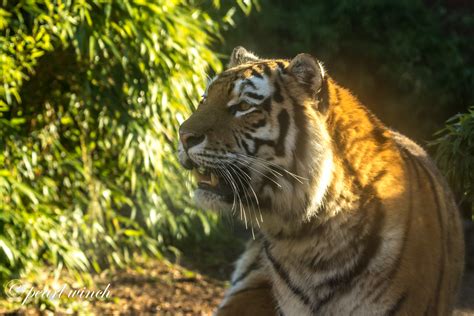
250	82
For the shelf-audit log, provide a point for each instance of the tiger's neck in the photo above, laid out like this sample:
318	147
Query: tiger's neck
351	165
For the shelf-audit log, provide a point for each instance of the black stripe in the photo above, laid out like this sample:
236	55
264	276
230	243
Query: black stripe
248	136
378	131
246	148
241	88
350	170
281	65
266	104
285	277
231	88
267	70
338	96
236	138
255	96
397	305
250	83
277	94
255	73
284	122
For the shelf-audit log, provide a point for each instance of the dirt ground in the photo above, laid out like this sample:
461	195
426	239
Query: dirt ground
160	288
163	289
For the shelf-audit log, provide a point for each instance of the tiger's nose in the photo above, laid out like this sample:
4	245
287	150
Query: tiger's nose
190	139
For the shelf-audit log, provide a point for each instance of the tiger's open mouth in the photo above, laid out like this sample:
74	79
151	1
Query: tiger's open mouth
211	179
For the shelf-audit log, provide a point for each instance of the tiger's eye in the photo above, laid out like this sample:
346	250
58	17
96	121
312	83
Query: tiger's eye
244	106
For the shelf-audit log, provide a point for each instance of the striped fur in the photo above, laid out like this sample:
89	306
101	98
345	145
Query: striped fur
353	218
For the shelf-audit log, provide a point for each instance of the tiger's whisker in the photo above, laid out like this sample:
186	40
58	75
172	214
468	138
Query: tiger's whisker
242	208
266	162
253	191
244	182
231	182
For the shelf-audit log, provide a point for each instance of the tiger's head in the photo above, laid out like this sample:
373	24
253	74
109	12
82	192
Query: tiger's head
257	143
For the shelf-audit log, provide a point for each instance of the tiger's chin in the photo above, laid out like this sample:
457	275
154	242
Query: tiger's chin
210	200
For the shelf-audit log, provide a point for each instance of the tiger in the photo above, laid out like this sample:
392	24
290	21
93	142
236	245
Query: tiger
348	216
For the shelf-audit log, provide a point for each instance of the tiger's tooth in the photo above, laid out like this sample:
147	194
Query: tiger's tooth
214	179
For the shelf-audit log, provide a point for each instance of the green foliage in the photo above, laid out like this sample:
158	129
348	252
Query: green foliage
90	100
410	61
455	155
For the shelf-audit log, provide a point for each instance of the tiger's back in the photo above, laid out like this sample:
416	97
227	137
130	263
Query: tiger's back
372	230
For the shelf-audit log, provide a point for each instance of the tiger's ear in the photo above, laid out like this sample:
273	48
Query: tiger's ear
241	56
307	71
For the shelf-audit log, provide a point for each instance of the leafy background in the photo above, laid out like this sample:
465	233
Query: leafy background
92	93
92	96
